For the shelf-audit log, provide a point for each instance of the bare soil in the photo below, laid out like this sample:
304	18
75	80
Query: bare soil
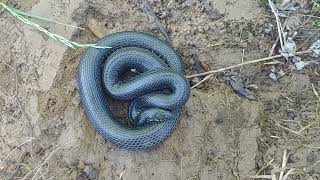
221	135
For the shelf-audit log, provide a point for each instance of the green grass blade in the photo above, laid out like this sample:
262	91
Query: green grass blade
42	18
21	16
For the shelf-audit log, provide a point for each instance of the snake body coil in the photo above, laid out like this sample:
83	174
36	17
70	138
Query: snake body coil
156	93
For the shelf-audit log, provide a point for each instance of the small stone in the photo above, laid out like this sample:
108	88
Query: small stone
91	172
273	76
268	28
291	115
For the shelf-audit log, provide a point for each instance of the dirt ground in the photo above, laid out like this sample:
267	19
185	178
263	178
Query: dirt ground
221	135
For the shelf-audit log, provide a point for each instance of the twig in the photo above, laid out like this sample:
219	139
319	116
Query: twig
149	11
169	3
242	59
284	163
274	46
265	166
273	176
277	40
203	80
245	63
262	177
296	132
181	167
13	140
275	12
285	177
286	97
315	91
122	173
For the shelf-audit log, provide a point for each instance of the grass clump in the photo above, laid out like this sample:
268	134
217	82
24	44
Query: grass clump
316	9
316	5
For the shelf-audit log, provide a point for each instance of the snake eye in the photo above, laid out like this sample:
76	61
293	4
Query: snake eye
134	71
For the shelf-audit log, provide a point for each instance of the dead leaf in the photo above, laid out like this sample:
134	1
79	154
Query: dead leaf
239	87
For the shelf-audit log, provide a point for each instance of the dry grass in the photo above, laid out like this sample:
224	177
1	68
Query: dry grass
277	173
34	173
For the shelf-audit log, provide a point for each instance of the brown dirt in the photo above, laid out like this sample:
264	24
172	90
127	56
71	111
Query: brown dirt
221	135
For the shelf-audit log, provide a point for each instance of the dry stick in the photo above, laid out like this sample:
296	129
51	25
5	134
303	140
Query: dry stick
265	166
203	80
275	12
285	177
170	2
284	164
149	11
122	173
274	46
245	63
242	59
315	91
277	40
207	77
296	132
263	177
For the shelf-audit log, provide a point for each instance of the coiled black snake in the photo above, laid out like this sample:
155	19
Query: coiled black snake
156	93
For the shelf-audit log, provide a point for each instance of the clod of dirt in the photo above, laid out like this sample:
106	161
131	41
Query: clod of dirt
268	28
315	48
289	48
89	173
